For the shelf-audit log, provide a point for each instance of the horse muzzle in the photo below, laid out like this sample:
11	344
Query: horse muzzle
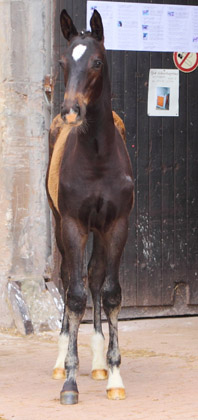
73	112
70	115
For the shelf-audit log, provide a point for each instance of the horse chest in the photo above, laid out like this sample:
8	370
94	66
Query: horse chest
96	196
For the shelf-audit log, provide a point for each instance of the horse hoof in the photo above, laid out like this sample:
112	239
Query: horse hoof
99	374
59	373
116	394
68	397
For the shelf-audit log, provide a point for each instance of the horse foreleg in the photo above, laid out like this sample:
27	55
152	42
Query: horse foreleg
96	276
74	241
112	302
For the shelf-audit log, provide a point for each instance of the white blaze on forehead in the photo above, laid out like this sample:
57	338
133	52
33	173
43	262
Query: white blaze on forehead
78	51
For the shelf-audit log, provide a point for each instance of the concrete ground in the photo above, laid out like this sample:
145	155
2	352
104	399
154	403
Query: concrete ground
159	370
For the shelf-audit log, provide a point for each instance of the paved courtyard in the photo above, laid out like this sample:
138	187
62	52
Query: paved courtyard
159	370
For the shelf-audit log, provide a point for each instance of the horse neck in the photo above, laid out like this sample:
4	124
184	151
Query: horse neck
99	119
98	135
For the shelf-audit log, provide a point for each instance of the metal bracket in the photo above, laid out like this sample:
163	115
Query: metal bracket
48	88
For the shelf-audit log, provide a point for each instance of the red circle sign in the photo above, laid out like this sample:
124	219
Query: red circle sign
185	62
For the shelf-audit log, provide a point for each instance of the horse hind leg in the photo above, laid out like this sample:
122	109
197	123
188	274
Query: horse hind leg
96	276
59	371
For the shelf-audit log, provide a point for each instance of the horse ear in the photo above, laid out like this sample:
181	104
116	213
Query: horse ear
67	26
97	26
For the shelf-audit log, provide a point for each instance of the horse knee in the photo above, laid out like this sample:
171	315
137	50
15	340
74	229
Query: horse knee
76	299
111	296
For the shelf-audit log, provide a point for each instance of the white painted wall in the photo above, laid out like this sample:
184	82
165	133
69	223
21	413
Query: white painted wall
25	57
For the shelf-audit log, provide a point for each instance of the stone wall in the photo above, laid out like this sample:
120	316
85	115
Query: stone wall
25	56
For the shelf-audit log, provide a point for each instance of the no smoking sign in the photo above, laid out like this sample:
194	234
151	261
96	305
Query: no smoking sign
185	62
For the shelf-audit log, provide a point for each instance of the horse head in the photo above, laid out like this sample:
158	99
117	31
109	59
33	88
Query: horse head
84	66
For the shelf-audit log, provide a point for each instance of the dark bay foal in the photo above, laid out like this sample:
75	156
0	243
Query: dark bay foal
90	189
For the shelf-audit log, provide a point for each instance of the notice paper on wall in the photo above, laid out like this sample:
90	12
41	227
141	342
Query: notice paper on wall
163	93
146	26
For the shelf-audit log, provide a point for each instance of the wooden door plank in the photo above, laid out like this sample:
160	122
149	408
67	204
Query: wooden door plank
155	197
192	193
130	118
143	62
167	201
180	175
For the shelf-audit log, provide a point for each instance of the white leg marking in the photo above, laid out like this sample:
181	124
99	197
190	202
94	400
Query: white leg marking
114	380
62	351
97	346
78	51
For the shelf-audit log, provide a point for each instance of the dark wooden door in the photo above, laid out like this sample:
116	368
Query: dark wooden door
159	269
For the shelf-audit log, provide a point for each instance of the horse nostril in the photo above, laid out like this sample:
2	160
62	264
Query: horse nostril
77	109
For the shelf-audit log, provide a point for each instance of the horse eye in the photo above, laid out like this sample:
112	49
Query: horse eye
97	64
